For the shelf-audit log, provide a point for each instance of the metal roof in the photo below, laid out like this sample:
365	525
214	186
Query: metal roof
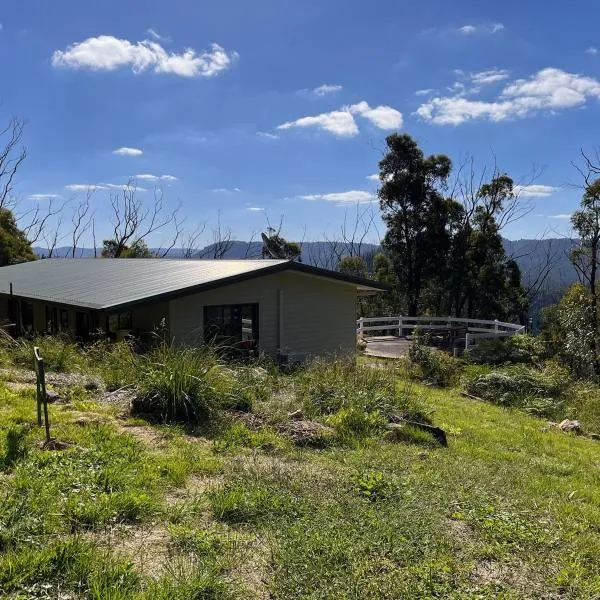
107	283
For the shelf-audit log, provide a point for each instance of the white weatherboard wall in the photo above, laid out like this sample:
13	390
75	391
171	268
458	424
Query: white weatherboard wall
318	314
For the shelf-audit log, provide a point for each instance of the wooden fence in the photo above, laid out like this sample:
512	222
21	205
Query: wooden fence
474	329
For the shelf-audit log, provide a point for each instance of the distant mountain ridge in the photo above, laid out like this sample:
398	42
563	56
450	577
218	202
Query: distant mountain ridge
532	257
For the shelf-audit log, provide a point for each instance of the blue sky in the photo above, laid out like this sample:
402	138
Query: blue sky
267	109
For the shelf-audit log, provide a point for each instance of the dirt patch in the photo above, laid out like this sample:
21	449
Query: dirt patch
459	530
194	487
252	572
20	386
147	547
144	433
519	577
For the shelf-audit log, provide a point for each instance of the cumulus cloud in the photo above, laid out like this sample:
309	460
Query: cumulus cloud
549	90
81	187
424	92
338	122
467	29
150	177
107	53
383	117
342	123
535	190
125	151
352	196
373	177
256	209
155	35
43	196
267	135
592	50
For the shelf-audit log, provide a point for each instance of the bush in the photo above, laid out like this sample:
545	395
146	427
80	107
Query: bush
513	349
187	384
436	366
536	391
355	423
59	352
238	436
327	386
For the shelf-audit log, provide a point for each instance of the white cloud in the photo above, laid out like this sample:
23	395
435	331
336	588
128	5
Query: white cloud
424	92
125	151
107	53
489	28
353	196
338	122
43	196
223	190
256	209
81	187
325	89
383	117
548	90
267	135
560	216
155	35
150	177
373	177
535	190
592	50
342	123
490	76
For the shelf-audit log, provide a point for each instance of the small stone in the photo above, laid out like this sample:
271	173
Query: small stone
51	396
297	415
568	425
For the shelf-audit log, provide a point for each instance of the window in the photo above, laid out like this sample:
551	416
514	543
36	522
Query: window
64	319
51	319
27	316
118	321
232	325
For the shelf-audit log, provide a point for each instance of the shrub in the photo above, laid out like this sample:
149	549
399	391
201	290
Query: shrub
537	391
186	384
354	423
238	436
59	352
513	349
373	485
326	386
436	366
116	363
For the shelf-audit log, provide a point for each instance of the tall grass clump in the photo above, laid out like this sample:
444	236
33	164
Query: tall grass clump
437	367
537	391
355	400
60	353
178	383
117	364
514	349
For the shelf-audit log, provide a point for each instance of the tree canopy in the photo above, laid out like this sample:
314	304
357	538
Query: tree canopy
14	245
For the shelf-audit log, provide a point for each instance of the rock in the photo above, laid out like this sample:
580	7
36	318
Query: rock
297	415
594	436
568	425
52	396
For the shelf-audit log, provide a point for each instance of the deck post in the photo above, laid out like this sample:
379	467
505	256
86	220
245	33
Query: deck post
495	325
360	326
467	340
400	328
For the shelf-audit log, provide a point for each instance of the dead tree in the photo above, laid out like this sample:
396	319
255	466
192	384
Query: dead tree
133	220
81	221
11	158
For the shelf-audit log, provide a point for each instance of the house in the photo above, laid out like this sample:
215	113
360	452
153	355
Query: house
274	306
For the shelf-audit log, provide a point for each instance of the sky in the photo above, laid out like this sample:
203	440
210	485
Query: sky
249	112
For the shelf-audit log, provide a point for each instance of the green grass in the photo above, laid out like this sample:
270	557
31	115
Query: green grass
510	509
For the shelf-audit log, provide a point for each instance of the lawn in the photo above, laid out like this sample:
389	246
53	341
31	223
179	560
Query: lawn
240	509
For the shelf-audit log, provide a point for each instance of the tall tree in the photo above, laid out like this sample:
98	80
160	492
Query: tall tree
586	255
275	246
415	212
14	245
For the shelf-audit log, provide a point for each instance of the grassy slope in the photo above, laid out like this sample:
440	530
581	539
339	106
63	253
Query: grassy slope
509	510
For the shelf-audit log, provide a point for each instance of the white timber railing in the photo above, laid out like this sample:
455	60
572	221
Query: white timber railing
475	329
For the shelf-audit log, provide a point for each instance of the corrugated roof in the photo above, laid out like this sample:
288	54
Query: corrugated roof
105	283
